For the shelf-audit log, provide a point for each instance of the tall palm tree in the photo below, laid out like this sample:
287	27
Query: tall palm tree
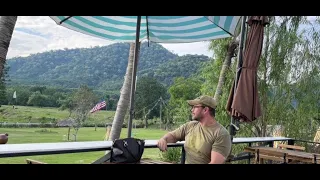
7	24
124	98
226	64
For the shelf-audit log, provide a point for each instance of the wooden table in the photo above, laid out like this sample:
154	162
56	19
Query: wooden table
284	155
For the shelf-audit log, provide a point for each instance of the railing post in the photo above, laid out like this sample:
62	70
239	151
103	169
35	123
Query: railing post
270	145
291	142
183	155
249	144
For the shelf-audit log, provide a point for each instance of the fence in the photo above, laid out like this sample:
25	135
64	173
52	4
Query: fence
20	125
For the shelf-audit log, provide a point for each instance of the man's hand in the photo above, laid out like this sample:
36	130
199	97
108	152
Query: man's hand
162	144
168	138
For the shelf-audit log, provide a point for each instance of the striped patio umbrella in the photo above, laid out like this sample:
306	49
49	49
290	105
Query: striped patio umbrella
159	29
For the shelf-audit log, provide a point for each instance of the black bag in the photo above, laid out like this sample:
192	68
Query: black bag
128	150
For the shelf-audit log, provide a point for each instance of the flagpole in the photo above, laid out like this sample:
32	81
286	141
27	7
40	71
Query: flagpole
14	97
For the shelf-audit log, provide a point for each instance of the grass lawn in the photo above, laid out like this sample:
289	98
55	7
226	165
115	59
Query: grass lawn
36	135
35	114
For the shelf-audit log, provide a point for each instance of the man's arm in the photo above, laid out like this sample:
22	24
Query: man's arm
167	138
221	149
172	137
217	158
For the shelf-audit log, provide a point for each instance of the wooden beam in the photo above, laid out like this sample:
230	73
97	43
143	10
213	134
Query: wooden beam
285	146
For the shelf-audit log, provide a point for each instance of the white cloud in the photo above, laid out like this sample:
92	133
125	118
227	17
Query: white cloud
36	34
191	48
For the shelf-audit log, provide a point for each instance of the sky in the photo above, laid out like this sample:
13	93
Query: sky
36	34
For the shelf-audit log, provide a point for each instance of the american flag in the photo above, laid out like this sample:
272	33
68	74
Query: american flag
98	106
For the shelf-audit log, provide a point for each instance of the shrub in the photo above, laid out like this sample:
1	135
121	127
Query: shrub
173	154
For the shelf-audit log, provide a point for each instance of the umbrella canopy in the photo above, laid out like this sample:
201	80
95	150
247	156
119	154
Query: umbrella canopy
244	104
161	29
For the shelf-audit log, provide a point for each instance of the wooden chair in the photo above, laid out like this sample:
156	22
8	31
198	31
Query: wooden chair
292	147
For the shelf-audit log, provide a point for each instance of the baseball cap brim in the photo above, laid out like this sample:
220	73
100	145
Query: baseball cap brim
193	102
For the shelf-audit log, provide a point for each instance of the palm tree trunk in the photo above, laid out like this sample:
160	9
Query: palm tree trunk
226	64
124	100
7	24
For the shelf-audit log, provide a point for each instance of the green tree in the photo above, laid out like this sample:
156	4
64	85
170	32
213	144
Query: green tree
148	91
41	89
289	65
83	99
181	91
218	74
23	94
112	100
225	50
287	70
285	52
65	103
37	99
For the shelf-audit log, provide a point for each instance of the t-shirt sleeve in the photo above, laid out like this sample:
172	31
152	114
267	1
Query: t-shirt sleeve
180	133
222	145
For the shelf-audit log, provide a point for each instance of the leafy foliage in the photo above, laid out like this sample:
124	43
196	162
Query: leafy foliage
173	154
83	100
55	74
99	67
183	66
288	78
37	99
148	91
210	75
181	91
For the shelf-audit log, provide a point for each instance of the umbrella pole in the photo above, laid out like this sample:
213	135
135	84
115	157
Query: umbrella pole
233	125
134	72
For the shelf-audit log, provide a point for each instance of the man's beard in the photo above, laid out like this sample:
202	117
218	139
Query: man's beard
196	118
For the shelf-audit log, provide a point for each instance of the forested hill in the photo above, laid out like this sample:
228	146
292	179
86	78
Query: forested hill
100	67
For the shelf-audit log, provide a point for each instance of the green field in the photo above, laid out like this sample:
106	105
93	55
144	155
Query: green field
36	135
25	114
36	115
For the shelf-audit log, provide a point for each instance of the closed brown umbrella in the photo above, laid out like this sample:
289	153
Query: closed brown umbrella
244	105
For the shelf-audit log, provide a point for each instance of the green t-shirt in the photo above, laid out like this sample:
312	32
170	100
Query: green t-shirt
201	140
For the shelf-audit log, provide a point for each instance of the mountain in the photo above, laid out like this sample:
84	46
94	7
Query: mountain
100	67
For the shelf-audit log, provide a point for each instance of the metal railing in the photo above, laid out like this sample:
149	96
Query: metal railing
31	149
